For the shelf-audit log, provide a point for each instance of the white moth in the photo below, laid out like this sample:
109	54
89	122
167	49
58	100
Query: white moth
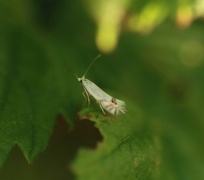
106	102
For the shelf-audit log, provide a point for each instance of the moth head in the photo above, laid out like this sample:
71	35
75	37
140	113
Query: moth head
79	79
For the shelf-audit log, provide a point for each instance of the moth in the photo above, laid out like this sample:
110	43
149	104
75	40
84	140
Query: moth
106	102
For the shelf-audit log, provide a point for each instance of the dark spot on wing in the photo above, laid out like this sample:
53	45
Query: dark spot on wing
113	100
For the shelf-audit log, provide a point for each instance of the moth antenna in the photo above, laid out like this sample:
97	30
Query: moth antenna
76	75
92	62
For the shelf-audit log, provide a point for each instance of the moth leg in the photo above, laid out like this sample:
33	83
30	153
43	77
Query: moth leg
101	107
86	96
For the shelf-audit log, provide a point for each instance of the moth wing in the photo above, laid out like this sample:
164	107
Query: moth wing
114	108
121	106
108	105
94	90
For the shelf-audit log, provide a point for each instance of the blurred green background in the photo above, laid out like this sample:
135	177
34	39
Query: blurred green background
152	58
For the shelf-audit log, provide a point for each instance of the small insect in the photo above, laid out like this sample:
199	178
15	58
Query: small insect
106	102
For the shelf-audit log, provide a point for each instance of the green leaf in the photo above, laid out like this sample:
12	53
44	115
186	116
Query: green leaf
128	149
33	91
